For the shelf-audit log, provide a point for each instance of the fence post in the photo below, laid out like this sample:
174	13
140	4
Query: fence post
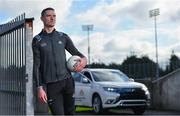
29	67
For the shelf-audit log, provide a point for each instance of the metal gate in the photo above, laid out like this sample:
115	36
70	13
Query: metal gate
15	72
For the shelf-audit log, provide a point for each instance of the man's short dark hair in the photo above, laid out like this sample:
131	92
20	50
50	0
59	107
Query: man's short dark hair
44	10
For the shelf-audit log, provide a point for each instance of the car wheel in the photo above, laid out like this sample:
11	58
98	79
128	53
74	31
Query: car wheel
139	110
97	105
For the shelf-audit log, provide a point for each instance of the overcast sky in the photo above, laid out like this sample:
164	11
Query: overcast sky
120	26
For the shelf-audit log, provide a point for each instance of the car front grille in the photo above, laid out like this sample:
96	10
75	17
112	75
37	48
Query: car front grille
132	103
131	93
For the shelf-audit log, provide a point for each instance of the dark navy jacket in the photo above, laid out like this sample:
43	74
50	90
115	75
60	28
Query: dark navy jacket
49	58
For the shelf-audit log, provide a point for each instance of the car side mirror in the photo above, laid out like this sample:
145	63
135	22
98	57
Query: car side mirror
85	80
131	79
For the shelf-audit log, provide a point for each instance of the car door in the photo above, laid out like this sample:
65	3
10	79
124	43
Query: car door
77	79
86	91
82	89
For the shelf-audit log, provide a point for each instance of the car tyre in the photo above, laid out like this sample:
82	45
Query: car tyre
97	105
139	110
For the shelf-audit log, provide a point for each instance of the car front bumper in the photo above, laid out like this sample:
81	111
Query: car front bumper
114	100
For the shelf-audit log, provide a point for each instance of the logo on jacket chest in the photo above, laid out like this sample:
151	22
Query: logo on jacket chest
43	44
59	42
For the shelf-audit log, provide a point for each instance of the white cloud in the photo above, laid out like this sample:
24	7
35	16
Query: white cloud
115	48
105	15
116	42
139	37
109	48
33	8
169	9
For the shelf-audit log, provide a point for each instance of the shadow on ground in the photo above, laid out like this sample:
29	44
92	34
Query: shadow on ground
109	112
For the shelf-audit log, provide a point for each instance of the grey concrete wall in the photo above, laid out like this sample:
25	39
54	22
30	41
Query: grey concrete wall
166	92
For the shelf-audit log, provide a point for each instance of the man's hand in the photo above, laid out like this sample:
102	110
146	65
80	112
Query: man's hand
82	63
42	95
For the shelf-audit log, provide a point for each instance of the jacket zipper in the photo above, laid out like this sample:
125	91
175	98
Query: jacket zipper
55	68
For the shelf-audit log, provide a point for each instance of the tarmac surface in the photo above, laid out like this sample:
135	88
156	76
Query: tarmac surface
129	112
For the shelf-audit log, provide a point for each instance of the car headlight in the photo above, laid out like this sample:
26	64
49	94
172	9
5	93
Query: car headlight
110	89
146	91
144	88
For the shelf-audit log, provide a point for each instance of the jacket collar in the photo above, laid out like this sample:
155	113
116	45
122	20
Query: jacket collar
44	32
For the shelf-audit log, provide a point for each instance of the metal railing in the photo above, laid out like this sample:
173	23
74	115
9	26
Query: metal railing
13	66
142	70
148	70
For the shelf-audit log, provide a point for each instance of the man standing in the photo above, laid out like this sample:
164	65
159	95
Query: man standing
49	66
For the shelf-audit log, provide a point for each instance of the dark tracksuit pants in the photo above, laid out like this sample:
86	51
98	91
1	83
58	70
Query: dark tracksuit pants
61	97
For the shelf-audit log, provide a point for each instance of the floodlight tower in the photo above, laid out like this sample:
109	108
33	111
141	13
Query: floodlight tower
154	13
88	28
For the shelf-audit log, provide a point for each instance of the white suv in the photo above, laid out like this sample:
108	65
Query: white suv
109	88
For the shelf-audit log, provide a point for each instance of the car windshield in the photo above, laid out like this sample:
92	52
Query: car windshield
109	76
